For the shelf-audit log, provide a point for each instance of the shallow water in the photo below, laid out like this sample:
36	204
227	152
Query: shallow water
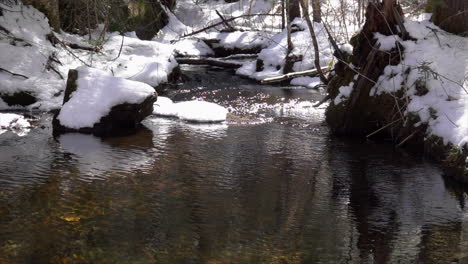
268	186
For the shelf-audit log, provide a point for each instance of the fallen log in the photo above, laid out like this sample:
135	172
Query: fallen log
225	21
240	57
209	61
54	40
293	75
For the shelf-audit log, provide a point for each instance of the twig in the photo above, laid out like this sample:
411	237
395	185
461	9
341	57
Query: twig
14	74
328	97
225	22
120	50
382	128
333	42
407	138
293	75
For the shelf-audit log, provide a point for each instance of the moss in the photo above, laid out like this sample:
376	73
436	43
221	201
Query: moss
421	87
433	113
146	18
453	158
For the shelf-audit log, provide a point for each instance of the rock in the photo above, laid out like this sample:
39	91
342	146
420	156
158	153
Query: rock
18	98
98	103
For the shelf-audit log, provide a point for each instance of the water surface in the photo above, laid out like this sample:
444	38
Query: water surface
268	186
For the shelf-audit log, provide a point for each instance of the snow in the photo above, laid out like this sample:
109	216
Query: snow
97	92
189	17
164	107
345	92
16	123
200	14
347	48
274	56
192	47
195	111
386	43
438	61
145	61
241	40
309	82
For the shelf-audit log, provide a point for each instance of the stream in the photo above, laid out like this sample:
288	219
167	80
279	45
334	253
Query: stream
270	185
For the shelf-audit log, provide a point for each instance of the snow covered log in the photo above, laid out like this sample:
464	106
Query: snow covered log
210	61
96	102
293	75
237	42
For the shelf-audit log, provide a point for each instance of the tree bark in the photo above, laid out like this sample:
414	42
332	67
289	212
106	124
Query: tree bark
450	15
288	64
357	115
294	9
317	12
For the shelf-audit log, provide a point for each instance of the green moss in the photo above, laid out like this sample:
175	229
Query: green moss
452	157
433	113
146	18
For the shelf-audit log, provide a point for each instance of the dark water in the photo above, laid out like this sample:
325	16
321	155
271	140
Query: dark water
269	186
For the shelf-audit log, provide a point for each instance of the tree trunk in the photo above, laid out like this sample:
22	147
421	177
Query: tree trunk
314	42
294	9
450	15
283	14
288	65
50	8
317	12
357	115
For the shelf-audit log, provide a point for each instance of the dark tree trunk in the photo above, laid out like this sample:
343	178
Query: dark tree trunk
450	15
357	115
283	14
294	9
317	12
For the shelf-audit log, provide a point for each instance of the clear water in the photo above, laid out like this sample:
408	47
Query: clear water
269	186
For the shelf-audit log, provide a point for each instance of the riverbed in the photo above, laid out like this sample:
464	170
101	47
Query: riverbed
270	185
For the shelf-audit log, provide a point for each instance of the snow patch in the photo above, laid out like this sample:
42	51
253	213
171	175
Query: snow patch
309	82
15	123
195	111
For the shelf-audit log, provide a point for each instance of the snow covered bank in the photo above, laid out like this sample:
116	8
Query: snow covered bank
435	70
412	88
15	123
96	99
271	60
33	65
194	111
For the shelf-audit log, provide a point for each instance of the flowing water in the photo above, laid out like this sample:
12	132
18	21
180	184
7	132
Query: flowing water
268	186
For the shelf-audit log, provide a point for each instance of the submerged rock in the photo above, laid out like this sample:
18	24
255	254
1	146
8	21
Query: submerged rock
98	103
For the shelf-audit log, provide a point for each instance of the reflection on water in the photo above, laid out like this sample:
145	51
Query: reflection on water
274	192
